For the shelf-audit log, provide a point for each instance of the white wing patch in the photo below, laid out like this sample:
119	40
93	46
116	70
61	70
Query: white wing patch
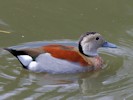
25	59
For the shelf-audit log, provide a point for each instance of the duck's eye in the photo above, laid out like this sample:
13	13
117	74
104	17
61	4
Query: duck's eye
97	38
87	34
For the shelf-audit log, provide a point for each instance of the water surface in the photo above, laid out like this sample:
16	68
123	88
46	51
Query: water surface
34	23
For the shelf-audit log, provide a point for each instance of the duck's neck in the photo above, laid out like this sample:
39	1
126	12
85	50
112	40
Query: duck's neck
90	53
97	62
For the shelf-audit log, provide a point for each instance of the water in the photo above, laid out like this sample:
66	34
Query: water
34	23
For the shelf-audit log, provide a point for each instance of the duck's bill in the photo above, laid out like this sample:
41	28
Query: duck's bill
109	45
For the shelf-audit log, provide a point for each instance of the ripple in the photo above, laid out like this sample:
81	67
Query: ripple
3	75
12	93
130	32
3	23
42	43
4	27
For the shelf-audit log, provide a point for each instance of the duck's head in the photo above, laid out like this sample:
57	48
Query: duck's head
90	42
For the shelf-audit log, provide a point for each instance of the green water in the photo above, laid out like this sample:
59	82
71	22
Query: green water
29	23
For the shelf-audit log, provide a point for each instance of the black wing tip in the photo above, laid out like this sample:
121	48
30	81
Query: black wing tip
8	49
15	52
12	51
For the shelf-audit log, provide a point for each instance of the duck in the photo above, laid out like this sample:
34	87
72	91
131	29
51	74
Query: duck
59	59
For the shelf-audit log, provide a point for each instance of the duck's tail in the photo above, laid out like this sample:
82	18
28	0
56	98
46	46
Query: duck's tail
22	56
15	52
